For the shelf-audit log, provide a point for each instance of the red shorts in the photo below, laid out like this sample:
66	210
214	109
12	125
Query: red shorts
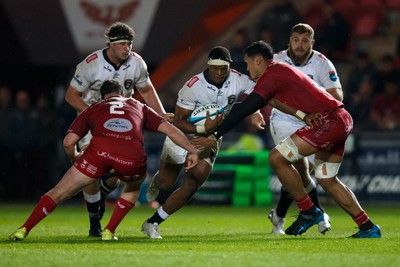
332	135
95	164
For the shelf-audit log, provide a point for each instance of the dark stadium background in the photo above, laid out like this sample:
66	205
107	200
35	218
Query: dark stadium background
39	54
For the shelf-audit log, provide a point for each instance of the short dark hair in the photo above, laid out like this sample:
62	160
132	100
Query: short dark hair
110	86
118	31
260	48
303	28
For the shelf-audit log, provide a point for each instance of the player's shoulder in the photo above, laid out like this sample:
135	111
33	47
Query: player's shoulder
280	56
319	57
235	75
94	58
135	57
194	81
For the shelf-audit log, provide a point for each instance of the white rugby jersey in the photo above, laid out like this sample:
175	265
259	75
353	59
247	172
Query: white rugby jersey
319	68
198	92
97	68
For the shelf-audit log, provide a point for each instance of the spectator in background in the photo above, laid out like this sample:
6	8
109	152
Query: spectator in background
333	35
24	136
387	71
385	112
359	104
266	35
49	125
240	41
279	19
5	149
361	70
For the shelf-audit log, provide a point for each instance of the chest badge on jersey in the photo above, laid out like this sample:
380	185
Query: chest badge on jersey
332	76
128	84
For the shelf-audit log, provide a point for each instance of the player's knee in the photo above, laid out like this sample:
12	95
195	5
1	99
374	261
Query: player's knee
288	149
326	170
164	183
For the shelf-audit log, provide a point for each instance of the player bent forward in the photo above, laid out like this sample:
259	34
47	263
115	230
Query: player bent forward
117	125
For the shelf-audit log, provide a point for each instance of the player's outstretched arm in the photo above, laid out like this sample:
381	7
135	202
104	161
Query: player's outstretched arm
151	98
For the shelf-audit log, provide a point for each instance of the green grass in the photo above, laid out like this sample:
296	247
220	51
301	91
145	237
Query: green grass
197	236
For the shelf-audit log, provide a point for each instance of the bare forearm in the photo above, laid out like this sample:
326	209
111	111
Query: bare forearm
151	98
337	93
74	99
177	136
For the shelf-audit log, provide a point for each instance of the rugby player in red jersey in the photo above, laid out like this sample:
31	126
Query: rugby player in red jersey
328	126
115	62
117	125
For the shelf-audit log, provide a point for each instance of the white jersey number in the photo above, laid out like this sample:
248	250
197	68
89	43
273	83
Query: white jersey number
116	105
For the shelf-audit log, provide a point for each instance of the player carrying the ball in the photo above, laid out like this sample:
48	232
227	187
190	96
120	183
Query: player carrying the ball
218	84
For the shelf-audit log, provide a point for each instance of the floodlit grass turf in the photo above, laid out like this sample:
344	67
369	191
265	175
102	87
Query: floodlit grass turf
197	236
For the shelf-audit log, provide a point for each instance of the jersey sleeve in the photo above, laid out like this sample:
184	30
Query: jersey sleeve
153	120
80	126
142	75
248	84
82	77
328	76
187	95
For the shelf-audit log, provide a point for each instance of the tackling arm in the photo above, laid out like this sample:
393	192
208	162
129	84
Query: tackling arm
70	141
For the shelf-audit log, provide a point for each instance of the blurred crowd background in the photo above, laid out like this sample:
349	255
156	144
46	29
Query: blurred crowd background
361	38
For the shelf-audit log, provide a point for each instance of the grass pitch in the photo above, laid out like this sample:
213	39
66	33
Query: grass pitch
197	236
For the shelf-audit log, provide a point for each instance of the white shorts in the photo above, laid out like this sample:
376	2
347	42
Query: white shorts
280	129
174	154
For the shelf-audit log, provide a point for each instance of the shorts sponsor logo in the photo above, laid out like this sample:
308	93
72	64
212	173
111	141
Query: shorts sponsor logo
118	125
109	156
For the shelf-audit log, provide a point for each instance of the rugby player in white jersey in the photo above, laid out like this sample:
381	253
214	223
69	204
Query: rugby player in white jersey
300	54
218	84
115	62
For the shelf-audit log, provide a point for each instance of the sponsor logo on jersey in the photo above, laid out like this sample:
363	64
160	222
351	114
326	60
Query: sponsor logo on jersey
108	68
128	83
91	58
192	81
332	76
118	125
126	67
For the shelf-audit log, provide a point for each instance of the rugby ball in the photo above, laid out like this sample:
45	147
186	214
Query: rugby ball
198	116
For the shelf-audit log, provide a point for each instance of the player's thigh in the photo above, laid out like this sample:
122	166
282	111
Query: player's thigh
72	182
304	148
196	176
281	129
